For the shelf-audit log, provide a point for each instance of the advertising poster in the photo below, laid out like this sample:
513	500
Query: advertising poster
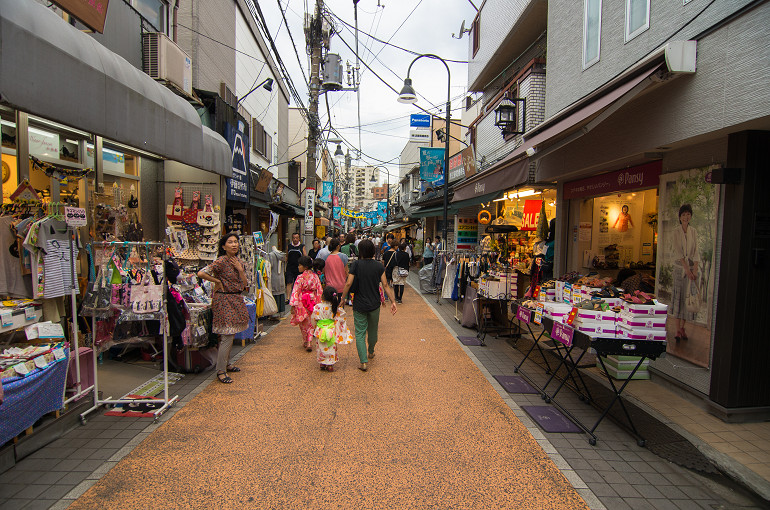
617	228
326	191
431	164
467	233
688	213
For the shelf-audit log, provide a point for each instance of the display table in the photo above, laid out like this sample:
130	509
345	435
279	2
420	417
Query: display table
27	399
21	317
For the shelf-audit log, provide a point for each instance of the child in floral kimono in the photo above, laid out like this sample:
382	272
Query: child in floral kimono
330	328
305	294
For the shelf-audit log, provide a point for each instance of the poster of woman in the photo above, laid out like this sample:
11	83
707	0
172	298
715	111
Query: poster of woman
689	207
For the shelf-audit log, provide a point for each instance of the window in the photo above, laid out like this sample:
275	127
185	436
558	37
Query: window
154	11
592	31
637	17
258	137
475	35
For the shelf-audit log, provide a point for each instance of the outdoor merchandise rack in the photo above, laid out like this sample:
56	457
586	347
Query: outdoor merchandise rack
166	400
568	338
496	289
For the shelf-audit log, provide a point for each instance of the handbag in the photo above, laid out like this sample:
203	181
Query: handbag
177	208
403	272
134	231
146	297
693	301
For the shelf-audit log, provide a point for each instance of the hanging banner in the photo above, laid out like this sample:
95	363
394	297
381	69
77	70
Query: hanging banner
238	184
531	214
335	201
326	191
309	210
431	164
382	205
336	211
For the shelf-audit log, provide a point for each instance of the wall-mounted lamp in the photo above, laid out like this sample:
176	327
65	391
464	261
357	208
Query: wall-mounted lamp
507	118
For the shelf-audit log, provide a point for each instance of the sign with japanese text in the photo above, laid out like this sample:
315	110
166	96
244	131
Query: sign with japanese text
641	176
91	13
431	164
309	210
75	216
263	181
326	191
238	184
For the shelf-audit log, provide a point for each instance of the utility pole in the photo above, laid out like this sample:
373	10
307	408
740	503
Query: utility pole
314	35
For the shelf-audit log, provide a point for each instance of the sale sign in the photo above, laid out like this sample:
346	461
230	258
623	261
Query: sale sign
531	214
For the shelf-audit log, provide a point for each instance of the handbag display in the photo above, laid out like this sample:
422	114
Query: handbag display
175	210
134	231
693	301
146	297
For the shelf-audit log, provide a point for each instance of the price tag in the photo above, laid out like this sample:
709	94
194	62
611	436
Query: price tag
6	319
201	331
198	291
572	314
567	293
21	369
538	319
40	362
58	353
50	331
523	315
75	216
562	333
29	313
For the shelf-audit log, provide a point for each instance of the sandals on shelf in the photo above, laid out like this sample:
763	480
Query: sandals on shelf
225	380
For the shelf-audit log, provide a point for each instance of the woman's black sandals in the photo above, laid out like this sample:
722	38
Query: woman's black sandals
232	368
226	379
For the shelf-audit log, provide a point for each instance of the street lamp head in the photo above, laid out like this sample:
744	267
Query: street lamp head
268	86
339	152
407	95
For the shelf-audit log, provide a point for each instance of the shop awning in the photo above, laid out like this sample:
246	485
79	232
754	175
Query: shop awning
430	212
495	180
289	209
51	69
477	200
399	225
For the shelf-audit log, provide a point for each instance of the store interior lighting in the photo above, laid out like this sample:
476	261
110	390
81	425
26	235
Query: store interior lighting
518	194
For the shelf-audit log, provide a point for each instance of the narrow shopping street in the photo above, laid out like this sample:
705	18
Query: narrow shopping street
421	429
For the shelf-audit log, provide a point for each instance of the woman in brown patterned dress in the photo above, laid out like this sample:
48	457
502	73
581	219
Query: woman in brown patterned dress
229	310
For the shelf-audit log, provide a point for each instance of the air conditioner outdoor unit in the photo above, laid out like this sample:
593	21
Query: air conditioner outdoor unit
164	60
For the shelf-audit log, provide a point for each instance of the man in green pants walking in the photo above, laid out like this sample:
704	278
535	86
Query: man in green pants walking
366	274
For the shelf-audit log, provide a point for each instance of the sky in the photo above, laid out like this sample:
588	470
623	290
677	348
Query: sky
423	26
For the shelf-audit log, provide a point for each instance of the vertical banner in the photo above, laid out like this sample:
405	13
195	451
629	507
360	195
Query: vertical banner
335	201
336	211
432	164
686	228
238	184
326	191
309	210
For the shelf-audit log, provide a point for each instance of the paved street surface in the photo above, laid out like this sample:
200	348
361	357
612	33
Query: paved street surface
420	429
427	426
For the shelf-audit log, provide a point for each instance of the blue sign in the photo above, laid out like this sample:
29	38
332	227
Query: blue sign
419	120
326	193
431	164
336	212
238	184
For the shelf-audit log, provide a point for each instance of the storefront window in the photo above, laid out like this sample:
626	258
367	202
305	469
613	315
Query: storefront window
9	171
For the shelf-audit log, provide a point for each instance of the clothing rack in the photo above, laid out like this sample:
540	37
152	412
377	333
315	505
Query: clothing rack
166	401
454	253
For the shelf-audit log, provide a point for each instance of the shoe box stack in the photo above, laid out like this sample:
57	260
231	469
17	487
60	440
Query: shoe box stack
499	285
597	323
555	311
642	322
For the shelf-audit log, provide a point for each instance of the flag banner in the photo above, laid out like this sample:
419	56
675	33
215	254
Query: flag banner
335	201
431	164
382	205
336	212
326	191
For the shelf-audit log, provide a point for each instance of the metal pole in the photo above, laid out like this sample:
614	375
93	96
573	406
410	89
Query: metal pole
446	159
316	43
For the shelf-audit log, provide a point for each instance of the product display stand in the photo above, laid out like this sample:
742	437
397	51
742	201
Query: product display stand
527	316
79	390
572	338
166	400
495	295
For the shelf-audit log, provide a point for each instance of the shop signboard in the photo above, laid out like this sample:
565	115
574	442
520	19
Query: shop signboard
419	120
91	13
562	333
456	167
637	177
467	233
238	184
419	135
431	164
469	161
263	181
531	214
43	143
309	210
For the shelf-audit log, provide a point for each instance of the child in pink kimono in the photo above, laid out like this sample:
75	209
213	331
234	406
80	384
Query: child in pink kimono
330	328
305	294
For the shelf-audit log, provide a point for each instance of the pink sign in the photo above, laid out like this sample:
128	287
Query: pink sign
523	314
562	333
642	176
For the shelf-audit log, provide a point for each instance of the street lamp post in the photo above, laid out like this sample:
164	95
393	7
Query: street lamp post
267	84
409	96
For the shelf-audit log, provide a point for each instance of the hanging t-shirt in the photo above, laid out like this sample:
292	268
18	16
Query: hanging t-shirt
12	282
59	264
